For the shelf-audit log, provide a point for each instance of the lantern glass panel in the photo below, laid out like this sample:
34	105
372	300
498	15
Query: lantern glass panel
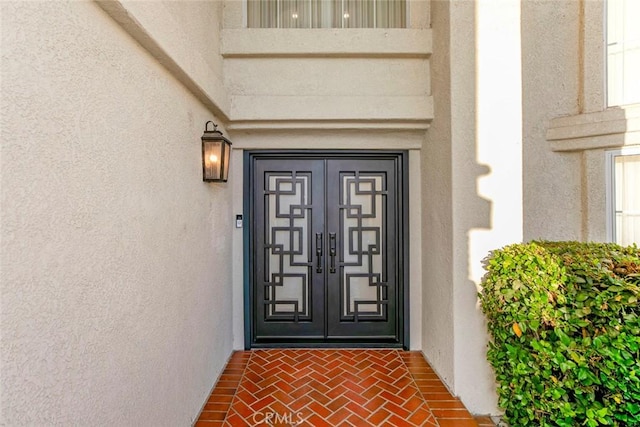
212	159
226	159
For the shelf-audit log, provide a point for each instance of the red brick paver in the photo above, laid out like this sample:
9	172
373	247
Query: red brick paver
327	387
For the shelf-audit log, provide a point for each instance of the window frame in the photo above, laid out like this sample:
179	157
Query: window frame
610	193
607	64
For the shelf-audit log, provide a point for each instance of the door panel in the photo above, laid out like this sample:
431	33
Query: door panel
325	253
288	215
362	288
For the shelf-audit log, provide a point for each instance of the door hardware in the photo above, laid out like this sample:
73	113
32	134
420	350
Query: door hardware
332	252
319	252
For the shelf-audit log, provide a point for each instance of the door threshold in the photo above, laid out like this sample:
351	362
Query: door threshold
319	345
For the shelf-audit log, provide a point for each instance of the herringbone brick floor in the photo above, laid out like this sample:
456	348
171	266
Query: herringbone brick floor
346	387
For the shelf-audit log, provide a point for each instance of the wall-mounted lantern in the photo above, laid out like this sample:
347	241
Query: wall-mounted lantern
216	150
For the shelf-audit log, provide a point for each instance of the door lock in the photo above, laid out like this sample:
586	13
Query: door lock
332	252
319	252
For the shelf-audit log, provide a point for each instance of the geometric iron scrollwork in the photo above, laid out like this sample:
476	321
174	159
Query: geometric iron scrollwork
364	290
287	227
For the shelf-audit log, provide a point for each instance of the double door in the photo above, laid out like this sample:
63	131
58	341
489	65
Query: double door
326	261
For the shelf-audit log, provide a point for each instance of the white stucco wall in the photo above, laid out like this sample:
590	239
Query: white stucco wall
568	125
184	36
437	248
201	21
511	155
487	182
115	256
472	169
279	77
553	206
295	88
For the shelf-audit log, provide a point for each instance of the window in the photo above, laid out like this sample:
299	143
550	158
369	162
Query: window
623	52
623	195
327	13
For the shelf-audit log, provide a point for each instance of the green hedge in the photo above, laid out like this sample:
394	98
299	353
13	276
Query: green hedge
565	327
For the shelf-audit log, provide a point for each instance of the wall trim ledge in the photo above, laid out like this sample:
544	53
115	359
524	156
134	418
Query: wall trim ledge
327	42
341	125
613	127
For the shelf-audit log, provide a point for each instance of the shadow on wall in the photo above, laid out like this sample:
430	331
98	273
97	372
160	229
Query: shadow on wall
491	182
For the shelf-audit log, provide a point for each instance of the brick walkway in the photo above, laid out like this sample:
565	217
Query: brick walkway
345	387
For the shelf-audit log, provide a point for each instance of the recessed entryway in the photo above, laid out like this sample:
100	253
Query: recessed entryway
328	253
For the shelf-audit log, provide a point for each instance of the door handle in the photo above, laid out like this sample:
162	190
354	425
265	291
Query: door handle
319	252
332	252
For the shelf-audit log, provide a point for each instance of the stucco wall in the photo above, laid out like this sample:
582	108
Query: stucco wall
278	76
550	88
437	295
201	21
472	171
184	36
115	256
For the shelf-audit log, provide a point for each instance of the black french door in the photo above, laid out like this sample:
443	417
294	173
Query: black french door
326	261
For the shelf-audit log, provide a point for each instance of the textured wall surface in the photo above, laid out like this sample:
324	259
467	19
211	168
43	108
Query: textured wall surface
437	294
550	67
115	257
201	21
375	86
472	170
184	36
487	178
327	76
